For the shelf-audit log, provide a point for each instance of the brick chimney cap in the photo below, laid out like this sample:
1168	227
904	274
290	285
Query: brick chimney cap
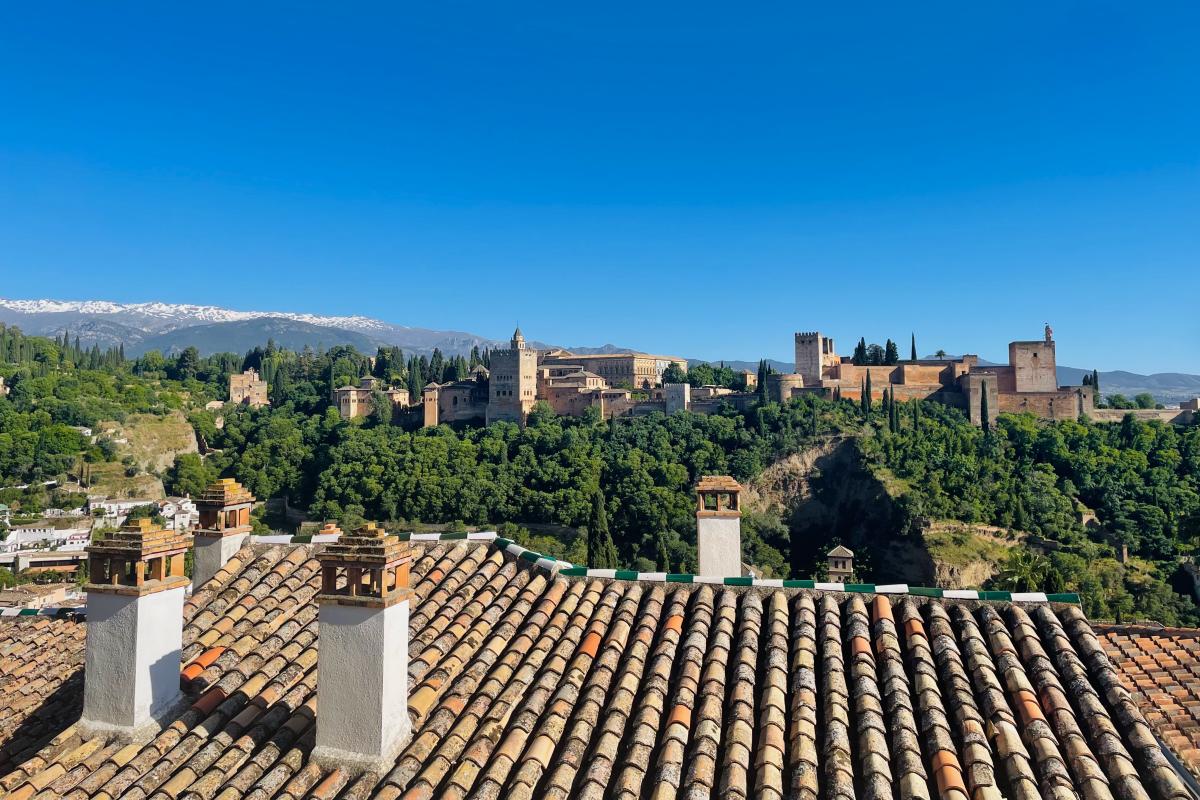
717	483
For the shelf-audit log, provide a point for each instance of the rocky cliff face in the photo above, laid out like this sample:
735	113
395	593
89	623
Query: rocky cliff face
828	494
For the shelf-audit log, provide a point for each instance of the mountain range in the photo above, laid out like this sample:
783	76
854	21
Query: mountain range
170	327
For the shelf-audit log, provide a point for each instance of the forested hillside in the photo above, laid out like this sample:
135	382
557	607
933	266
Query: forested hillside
619	492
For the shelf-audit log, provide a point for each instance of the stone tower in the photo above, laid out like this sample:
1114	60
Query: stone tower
1034	365
512	386
814	352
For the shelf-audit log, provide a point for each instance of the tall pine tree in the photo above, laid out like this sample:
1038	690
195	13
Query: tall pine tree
914	346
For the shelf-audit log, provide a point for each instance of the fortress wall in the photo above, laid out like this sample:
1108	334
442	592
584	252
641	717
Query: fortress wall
1059	405
1005	378
925	373
1177	416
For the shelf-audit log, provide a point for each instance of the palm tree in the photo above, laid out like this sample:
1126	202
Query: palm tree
1024	571
940	355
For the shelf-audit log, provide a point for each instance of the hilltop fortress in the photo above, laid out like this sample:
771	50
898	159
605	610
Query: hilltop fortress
629	384
1028	383
617	384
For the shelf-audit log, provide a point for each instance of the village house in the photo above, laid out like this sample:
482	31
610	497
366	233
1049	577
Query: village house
35	595
45	534
179	512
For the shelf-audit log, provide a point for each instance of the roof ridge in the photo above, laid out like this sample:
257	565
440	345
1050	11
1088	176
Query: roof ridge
570	570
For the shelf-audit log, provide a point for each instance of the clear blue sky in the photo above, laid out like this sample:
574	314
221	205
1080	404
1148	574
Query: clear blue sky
700	179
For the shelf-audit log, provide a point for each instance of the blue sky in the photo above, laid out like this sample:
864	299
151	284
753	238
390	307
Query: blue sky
700	179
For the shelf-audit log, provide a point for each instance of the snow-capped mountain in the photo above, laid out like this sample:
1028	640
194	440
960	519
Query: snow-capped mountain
173	326
165	316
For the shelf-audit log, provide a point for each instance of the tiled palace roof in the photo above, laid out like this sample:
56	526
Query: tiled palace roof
526	684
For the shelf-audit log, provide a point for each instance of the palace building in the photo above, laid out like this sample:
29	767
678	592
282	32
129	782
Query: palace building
355	401
248	389
1028	383
616	384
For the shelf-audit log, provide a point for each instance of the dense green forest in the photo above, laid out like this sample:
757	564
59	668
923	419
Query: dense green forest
619	492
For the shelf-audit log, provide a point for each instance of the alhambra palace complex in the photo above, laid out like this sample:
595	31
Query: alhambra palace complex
1028	383
624	384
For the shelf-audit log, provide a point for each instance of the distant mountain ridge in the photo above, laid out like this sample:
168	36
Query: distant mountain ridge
170	327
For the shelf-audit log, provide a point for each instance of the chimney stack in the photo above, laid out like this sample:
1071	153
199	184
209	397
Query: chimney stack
362	662
134	631
719	526
224	511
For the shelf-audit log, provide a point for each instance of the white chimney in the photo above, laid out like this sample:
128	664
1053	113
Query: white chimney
134	632
719	526
224	511
362	656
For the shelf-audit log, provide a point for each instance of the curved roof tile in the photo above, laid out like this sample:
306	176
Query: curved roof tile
526	683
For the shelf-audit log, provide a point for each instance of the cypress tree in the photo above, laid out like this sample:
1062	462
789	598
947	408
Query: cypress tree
869	394
1095	387
664	555
862	397
602	553
983	408
764	396
914	346
860	352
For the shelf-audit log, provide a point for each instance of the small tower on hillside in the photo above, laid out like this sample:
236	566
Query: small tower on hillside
841	564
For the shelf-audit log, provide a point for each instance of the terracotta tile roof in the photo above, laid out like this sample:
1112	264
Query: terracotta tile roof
526	684
1161	668
40	685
